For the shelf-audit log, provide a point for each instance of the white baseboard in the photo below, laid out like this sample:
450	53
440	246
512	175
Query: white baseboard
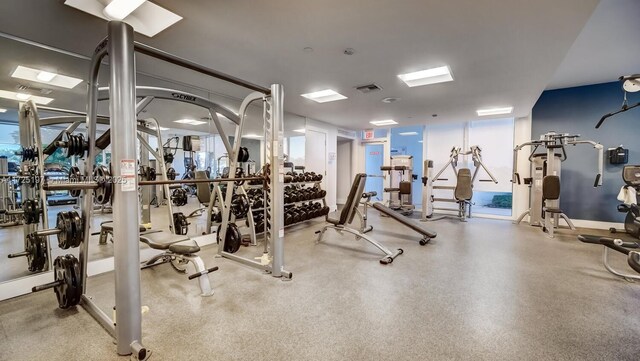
583	223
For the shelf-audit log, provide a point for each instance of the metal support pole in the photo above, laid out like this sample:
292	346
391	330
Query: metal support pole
125	197
277	179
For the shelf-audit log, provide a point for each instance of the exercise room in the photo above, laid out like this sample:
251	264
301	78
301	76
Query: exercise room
334	180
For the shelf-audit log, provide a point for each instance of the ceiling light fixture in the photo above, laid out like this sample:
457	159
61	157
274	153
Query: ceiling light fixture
494	111
323	96
24	96
425	77
120	9
42	76
252	136
301	130
381	123
408	133
189	121
420	141
3	110
45	76
146	17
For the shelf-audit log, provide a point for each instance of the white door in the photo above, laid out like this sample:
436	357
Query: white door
315	152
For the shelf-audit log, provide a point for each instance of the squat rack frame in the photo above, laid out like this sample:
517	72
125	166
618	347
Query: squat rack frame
121	48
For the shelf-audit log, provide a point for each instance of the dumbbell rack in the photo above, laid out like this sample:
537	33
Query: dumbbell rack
298	185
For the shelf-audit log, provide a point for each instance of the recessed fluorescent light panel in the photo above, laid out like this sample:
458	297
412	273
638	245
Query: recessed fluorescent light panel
146	17
324	96
425	77
408	133
189	121
41	76
24	96
3	110
252	136
494	111
302	130
381	123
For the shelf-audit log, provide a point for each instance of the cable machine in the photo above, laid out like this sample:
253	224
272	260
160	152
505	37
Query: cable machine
545	167
462	191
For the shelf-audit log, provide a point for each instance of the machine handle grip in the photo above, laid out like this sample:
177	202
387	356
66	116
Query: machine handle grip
517	177
486	180
369	194
597	181
443	179
198	274
386	168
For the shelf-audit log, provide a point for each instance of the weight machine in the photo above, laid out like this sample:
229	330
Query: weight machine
400	183
462	191
544	182
120	47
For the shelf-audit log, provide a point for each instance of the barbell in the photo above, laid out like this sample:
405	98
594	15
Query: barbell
68	281
35	251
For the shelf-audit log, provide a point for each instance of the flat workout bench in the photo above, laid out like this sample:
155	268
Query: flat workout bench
179	250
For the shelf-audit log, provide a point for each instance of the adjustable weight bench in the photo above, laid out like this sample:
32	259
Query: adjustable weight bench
347	215
178	250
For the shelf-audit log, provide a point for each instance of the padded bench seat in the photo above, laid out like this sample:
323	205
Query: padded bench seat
176	243
552	210
180	244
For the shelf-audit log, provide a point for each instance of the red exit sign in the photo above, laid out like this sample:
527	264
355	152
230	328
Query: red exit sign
374	153
368	134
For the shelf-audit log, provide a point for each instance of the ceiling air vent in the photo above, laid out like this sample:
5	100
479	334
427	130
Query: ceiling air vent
369	88
22	87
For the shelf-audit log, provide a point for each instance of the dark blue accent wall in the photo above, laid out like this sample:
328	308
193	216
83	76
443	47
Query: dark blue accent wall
577	110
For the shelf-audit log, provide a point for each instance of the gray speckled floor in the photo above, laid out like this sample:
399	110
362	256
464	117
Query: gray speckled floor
482	290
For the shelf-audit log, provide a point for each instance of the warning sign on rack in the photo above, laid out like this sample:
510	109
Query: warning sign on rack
128	175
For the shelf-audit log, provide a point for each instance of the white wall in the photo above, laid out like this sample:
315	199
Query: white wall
329	182
522	134
344	170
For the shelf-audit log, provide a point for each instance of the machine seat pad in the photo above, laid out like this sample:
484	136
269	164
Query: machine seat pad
185	247
175	186
552	210
162	240
108	227
392	189
334	221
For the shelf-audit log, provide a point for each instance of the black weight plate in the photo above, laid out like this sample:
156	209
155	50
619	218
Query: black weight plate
77	235
232	238
74	176
37	257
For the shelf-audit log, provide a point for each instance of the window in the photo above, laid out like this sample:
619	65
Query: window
488	197
491	198
296	150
